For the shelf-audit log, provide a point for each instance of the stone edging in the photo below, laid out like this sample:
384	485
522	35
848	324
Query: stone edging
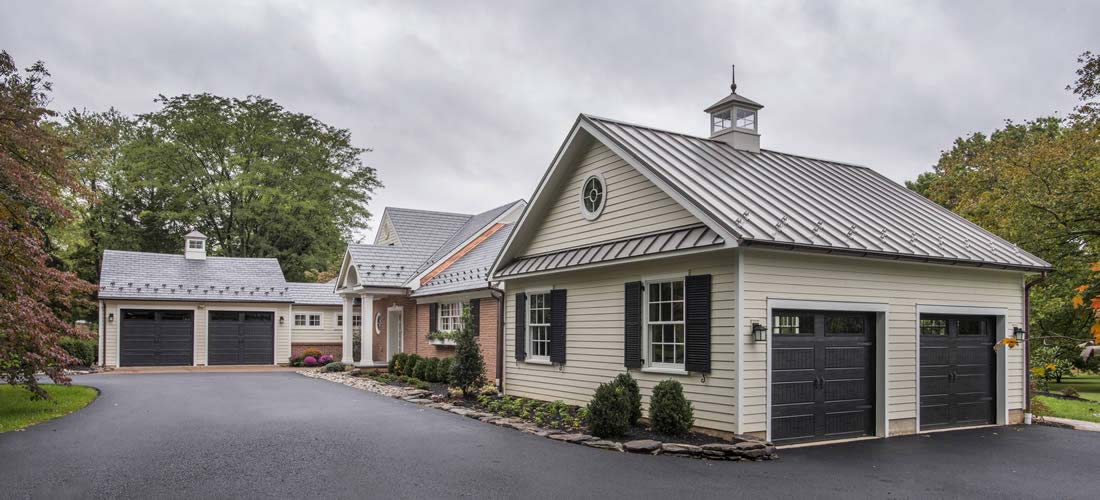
744	449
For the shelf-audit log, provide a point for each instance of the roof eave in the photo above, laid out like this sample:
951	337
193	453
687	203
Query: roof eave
894	256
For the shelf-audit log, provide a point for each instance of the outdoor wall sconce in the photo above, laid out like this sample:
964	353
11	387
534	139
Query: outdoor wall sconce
111	317
281	320
759	333
1018	332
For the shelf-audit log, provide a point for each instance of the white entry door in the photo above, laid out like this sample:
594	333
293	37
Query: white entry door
395	325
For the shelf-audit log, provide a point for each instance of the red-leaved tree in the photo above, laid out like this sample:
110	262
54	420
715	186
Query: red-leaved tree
36	297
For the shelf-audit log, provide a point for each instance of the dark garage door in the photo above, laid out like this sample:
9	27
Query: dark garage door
823	375
957	371
155	338
241	338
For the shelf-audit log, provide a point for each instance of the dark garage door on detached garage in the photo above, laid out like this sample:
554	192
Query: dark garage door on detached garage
957	371
156	337
241	338
823	375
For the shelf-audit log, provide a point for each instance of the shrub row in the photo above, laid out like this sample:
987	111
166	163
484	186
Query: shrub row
386	378
542	413
617	405
435	370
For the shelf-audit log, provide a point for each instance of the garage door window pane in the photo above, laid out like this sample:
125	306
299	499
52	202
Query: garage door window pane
257	316
845	325
972	327
175	316
132	314
223	316
934	327
792	324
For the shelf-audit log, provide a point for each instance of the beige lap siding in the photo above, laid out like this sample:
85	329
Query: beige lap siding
791	276
329	332
282	331
634	206
594	338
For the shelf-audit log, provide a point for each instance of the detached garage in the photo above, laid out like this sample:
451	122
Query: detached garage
192	310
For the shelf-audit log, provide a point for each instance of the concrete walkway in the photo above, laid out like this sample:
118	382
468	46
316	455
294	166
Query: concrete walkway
1080	425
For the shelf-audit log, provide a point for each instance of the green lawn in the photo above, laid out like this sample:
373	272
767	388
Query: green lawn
1077	410
1087	385
17	410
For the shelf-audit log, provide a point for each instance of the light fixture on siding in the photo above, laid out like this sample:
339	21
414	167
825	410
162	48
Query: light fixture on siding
281	320
111	317
1018	333
759	333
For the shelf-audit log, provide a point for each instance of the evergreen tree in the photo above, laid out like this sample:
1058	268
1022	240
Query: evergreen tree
466	373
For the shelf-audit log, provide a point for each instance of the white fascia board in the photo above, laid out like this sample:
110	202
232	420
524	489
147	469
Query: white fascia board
344	263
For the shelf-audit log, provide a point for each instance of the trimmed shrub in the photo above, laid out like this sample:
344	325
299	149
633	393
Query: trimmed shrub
335	366
609	411
311	353
443	373
326	359
84	350
670	413
468	365
410	365
296	361
630	386
423	369
396	363
309	361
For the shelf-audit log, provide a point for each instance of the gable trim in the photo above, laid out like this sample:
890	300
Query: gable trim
551	177
472	242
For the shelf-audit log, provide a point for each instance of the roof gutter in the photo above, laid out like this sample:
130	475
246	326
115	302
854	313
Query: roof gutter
1027	344
892	256
500	336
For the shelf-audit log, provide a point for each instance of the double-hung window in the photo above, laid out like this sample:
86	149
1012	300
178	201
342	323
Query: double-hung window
538	326
307	319
356	321
450	316
665	324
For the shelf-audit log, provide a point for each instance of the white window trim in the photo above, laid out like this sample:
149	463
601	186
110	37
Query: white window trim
308	314
647	351
713	128
191	244
531	358
755	119
593	215
339	320
455	320
354	319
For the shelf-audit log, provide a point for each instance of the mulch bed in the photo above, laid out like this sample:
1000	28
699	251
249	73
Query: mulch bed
695	438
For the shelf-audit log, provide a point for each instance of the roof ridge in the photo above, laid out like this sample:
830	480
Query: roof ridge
707	139
105	250
438	212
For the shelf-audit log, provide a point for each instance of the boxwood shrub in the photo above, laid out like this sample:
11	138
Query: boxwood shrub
84	350
670	412
609	411
630	387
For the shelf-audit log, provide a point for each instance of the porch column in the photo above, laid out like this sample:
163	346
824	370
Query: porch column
366	344
349	305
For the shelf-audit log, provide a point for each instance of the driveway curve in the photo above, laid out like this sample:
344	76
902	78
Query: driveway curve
248	435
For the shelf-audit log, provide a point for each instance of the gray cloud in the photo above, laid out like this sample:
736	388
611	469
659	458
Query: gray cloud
465	103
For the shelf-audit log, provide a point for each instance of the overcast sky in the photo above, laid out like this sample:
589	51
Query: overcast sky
464	103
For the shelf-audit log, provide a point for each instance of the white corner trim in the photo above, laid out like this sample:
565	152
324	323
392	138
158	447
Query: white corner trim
739	337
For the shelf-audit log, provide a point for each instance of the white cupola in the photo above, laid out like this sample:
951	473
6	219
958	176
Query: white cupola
194	246
734	119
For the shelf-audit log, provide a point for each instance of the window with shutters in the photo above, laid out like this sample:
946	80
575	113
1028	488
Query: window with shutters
538	326
664	320
450	316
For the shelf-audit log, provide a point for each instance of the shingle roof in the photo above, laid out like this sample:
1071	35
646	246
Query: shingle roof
155	276
688	238
734	98
474	226
424	230
471	271
315	294
386	265
789	201
194	234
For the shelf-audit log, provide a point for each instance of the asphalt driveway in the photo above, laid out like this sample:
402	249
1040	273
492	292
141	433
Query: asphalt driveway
234	435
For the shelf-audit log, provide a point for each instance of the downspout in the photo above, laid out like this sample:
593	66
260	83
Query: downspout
1027	345
102	348
500	335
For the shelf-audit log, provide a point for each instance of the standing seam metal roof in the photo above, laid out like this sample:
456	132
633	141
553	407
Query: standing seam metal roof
780	199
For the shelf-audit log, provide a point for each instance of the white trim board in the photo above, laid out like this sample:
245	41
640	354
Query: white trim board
1001	314
882	381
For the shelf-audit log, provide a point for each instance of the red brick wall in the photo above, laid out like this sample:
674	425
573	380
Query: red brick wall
333	349
487	338
381	306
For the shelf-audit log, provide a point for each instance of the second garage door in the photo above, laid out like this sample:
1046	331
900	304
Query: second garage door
957	371
241	338
823	375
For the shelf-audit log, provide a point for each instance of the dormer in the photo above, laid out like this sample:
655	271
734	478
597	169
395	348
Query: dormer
194	246
734	120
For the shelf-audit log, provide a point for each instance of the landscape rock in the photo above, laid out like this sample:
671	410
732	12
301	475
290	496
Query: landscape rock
749	445
722	449
571	437
687	450
642	446
540	432
604	444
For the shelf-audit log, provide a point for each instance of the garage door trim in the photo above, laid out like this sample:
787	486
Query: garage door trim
882	316
120	311
276	323
1001	329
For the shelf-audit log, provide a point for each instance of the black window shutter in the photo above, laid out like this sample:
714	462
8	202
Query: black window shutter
433	317
521	326
697	322
557	326
475	315
632	320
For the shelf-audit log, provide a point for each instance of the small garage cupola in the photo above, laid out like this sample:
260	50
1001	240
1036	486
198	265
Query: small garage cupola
194	246
733	119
